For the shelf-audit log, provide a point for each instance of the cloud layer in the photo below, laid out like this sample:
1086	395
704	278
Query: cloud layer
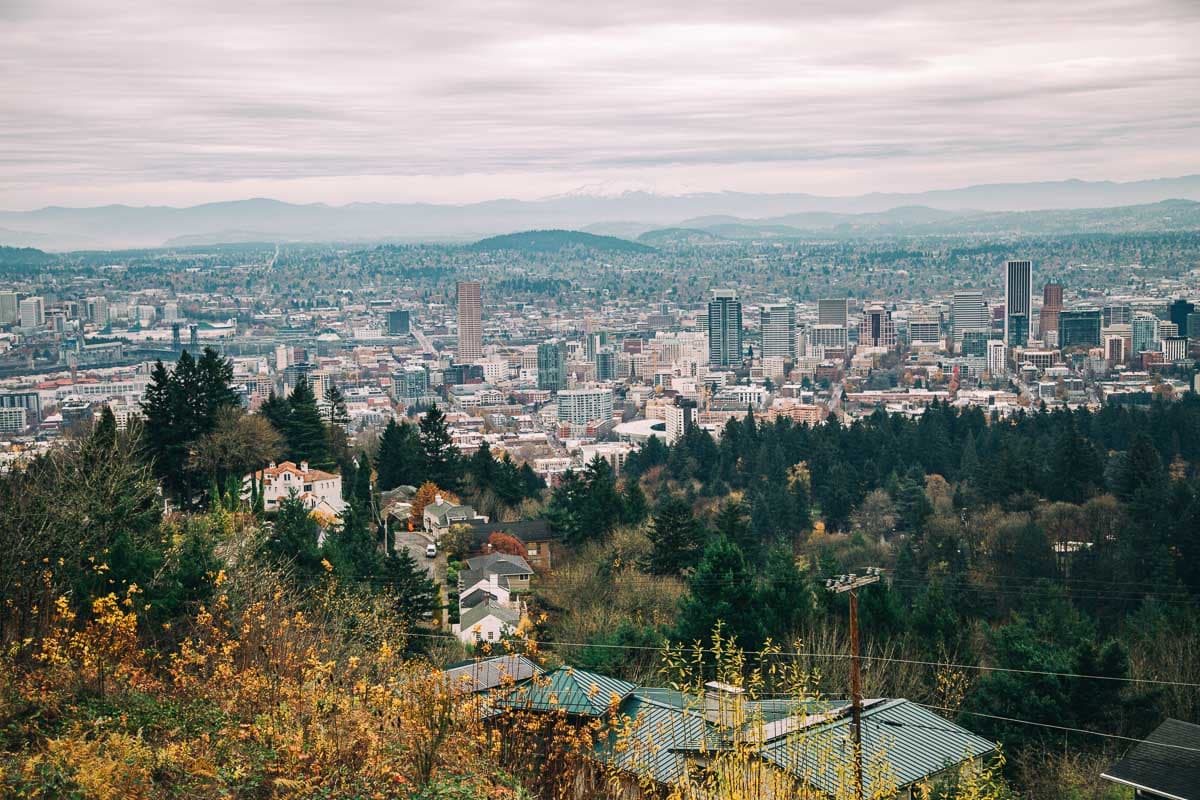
181	102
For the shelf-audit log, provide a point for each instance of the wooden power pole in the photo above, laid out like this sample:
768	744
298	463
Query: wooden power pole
852	583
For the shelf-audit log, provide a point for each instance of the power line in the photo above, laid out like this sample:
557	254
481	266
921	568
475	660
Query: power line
813	654
1063	728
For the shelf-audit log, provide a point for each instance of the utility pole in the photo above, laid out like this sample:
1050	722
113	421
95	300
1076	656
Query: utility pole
852	583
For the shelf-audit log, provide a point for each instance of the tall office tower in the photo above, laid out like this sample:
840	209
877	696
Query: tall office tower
31	312
400	323
778	331
552	365
1114	348
968	313
1117	314
606	364
470	322
97	309
1193	326
681	418
1018	302
1145	332
593	343
832	311
997	357
1178	313
1052	303
827	336
724	329
877	328
924	327
8	308
1079	328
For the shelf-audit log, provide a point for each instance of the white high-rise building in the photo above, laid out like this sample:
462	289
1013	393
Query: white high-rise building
32	312
968	313
470	322
997	357
581	406
779	331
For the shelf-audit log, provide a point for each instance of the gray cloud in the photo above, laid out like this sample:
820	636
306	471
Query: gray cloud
177	101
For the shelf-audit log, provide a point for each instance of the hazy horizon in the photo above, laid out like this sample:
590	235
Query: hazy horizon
358	102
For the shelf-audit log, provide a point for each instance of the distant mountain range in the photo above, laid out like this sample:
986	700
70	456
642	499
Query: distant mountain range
1168	215
628	215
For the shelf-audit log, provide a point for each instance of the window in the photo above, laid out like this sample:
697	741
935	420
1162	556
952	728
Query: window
491	635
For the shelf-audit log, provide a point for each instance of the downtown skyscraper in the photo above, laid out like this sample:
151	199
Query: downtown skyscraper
1018	302
470	322
724	329
778	331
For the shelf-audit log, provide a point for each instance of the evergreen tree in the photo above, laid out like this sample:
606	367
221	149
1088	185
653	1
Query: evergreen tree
601	510
182	405
786	598
441	460
294	537
721	590
482	467
676	538
633	503
305	432
416	595
275	410
362	494
564	512
400	459
532	482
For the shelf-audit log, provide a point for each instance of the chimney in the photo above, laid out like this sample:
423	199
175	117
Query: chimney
437	499
304	466
271	465
494	580
723	704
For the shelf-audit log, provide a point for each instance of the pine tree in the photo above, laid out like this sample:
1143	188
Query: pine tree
275	409
564	510
339	417
294	537
416	595
400	459
676	538
633	502
482	467
441	460
306	436
721	590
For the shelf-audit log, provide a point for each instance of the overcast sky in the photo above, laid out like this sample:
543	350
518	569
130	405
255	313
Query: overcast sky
163	101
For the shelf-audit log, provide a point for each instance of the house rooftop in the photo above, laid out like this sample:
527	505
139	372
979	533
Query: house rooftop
1167	764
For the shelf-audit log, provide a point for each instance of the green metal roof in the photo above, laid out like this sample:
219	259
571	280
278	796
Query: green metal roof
902	739
570	690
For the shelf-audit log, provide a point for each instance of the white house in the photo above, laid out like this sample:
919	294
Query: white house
317	490
487	622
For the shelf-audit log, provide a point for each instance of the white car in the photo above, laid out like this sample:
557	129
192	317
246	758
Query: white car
431	550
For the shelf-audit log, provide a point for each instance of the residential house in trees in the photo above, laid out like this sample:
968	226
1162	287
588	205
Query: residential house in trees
317	490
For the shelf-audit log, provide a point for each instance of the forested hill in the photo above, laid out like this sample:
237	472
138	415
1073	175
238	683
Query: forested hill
553	241
18	257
